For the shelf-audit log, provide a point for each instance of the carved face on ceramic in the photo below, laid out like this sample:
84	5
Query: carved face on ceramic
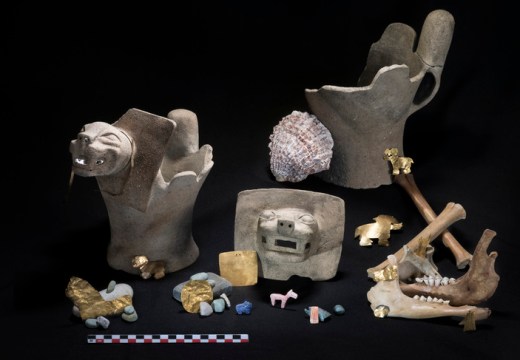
287	234
294	232
100	149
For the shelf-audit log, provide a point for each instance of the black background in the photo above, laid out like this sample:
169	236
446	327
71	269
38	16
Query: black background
241	68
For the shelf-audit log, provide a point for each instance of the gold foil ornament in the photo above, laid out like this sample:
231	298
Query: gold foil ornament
90	302
381	311
380	229
388	273
239	267
193	293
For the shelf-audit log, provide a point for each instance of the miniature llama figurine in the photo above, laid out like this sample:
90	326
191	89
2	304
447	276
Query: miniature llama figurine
283	298
399	163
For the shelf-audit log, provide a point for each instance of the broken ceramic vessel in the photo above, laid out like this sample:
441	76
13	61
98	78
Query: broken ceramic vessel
396	82
149	170
294	232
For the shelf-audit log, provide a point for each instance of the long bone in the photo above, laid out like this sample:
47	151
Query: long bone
407	182
388	294
451	213
474	287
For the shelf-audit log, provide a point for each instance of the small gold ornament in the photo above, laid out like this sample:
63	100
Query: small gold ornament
381	311
380	230
400	164
149	268
387	274
193	293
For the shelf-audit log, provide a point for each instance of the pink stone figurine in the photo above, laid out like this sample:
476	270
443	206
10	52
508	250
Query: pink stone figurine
283	298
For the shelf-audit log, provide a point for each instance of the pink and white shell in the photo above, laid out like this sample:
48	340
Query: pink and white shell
300	146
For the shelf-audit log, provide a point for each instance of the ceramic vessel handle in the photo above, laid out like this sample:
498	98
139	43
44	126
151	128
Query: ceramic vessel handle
432	48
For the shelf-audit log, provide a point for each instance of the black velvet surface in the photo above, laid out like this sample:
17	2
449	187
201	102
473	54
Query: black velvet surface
242	67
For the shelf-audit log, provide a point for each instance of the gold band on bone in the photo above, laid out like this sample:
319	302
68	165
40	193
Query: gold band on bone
401	169
451	213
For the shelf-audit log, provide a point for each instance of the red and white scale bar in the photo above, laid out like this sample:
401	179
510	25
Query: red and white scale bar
168	338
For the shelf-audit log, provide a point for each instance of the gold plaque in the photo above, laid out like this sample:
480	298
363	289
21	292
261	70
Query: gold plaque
240	267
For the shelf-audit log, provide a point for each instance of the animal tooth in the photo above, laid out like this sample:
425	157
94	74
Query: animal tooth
452	280
438	281
389	293
445	281
446	302
429	299
419	280
422	298
431	281
416	297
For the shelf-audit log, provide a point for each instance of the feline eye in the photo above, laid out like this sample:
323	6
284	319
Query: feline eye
112	137
99	161
268	215
307	219
80	161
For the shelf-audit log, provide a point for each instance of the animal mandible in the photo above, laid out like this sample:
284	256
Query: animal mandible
380	229
399	163
283	298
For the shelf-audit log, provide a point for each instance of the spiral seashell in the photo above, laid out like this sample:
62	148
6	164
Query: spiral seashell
300	146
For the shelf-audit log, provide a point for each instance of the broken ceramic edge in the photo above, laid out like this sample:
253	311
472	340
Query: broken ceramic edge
221	286
294	232
379	229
